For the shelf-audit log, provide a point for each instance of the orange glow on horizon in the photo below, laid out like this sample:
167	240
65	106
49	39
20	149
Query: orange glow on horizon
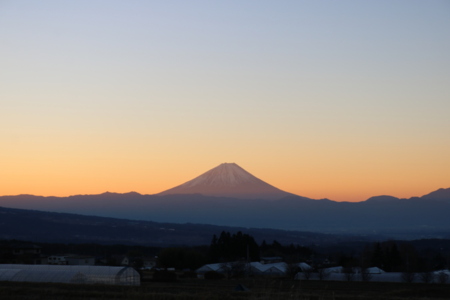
127	178
146	96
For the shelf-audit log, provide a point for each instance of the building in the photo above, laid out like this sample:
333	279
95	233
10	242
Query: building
80	260
73	260
57	260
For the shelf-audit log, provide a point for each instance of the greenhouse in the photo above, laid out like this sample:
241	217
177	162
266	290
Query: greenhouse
70	274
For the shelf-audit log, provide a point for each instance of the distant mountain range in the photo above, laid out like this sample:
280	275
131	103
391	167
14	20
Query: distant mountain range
229	196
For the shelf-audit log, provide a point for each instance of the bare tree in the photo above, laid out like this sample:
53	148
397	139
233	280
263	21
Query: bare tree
365	274
238	268
442	278
307	273
323	273
408	276
426	276
349	273
292	269
226	269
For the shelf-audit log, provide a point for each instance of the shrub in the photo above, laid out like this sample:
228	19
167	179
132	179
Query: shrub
365	275
442	278
188	274
213	275
349	273
307	273
164	276
427	277
323	274
408	277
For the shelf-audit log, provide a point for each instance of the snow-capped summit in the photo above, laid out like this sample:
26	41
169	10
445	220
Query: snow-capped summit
229	180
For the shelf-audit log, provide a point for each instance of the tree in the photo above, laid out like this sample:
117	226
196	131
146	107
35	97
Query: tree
377	256
214	252
138	263
233	247
409	256
394	259
238	269
234	269
181	258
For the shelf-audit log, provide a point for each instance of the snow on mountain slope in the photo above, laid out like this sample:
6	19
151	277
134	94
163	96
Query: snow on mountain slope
229	180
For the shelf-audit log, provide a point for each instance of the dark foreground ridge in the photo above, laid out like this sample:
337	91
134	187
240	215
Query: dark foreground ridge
51	227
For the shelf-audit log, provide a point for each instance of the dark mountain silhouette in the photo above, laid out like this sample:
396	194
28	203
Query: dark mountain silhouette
418	217
229	180
38	226
443	194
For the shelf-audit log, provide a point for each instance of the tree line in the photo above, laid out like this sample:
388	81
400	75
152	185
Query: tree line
390	256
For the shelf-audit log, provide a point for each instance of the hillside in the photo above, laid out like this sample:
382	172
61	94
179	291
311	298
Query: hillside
41	226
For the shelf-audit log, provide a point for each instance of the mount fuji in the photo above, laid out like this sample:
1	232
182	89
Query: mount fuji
227	195
229	180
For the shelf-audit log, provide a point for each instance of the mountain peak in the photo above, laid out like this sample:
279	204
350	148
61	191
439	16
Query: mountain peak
226	174
228	180
383	198
438	194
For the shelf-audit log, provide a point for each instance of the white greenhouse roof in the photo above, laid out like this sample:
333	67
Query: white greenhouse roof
210	267
255	267
70	274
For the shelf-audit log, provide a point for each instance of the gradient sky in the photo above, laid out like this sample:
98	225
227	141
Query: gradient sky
326	99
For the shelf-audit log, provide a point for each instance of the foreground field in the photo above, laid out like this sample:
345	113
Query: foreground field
187	289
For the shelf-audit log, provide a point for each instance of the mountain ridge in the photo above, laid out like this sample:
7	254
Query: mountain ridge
416	217
227	195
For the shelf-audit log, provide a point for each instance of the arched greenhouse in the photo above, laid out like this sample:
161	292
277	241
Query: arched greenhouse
70	274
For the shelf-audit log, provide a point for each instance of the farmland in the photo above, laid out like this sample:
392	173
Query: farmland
259	288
